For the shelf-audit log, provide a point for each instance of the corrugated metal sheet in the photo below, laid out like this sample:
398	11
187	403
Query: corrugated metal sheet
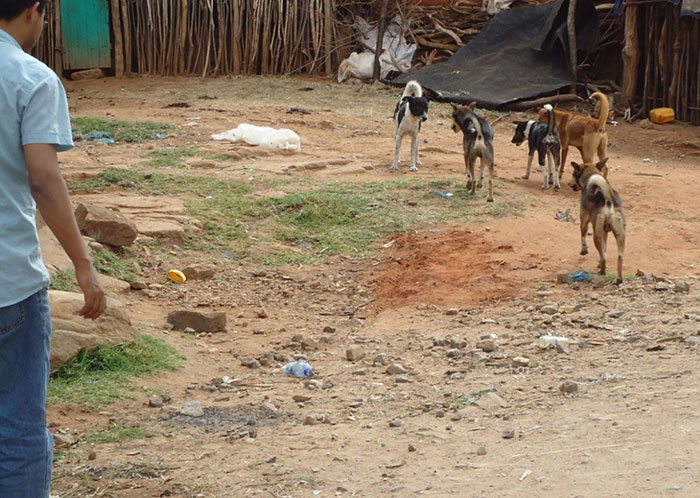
86	34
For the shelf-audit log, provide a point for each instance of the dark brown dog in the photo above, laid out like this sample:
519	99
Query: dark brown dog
585	133
601	206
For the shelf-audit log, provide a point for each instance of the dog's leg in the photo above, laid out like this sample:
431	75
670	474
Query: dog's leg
397	153
555	153
529	165
489	160
564	152
481	170
469	164
414	153
603	147
583	215
545	176
620	239
600	240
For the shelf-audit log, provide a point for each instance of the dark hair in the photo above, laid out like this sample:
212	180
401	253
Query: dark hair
9	9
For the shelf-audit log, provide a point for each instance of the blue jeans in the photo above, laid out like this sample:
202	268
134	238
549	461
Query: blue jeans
26	445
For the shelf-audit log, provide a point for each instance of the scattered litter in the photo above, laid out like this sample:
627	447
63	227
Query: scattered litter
447	195
264	136
300	368
177	276
646	160
581	276
388	244
559	343
525	474
161	136
564	216
100	136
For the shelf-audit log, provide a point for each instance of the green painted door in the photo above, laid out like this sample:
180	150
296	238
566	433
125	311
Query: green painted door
86	34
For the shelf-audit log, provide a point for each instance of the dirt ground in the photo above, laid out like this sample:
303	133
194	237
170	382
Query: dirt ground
427	302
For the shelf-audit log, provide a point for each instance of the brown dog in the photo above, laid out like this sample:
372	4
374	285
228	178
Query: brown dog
585	133
601	206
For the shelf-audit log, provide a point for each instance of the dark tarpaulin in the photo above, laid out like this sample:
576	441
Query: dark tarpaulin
520	54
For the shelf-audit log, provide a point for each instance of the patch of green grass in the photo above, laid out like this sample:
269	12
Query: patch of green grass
314	219
116	434
64	280
105	375
108	263
121	131
172	157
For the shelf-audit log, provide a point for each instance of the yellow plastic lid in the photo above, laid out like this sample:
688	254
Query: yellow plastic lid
177	276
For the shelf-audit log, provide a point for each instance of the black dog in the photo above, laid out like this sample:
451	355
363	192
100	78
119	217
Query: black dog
543	138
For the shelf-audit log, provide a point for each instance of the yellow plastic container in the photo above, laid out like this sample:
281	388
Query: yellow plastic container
177	276
662	115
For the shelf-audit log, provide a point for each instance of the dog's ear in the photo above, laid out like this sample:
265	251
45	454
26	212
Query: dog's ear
454	106
472	105
577	167
601	164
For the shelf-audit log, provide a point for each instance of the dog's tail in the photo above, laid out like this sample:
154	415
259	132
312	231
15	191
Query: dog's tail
550	115
601	194
413	89
604	109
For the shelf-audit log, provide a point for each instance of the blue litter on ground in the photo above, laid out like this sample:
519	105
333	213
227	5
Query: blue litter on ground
581	276
100	136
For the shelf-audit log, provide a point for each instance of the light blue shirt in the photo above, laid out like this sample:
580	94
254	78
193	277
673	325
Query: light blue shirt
33	110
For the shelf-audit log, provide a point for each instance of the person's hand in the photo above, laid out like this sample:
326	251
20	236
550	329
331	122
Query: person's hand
95	299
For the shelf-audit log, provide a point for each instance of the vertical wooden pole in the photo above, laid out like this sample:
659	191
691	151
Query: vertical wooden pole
380	40
327	25
571	28
630	56
118	43
673	90
59	37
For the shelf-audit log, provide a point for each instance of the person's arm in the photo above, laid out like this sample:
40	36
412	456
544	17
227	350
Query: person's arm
51	196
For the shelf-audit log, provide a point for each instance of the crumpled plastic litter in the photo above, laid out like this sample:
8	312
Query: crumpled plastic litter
100	136
264	136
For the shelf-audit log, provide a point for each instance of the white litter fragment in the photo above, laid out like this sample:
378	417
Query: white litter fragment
525	474
264	136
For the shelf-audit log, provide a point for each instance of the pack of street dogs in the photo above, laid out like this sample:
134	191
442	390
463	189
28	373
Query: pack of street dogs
550	136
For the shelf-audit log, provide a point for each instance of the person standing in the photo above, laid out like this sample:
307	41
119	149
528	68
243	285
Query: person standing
34	126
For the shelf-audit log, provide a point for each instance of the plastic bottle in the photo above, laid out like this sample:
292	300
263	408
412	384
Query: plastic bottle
300	368
447	195
553	341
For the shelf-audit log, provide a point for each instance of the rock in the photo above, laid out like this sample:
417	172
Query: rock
402	379
272	459
329	330
87	74
200	322
411	448
64	440
308	343
354	353
615	313
455	353
105	226
663	286
54	255
692	340
310	420
161	229
72	333
550	309
395	369
199	271
481	451
681	286
509	433
92	455
139	285
192	409
382	359
564	277
520	361
568	387
566	309
96	246
490	402
301	398
488	346
452	311
250	363
395	422
155	402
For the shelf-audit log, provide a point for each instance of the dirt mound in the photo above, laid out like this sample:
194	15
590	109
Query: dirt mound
453	267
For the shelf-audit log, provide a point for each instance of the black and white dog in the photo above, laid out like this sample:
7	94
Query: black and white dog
477	142
543	138
409	114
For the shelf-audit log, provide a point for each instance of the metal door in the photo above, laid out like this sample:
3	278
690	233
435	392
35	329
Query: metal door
86	34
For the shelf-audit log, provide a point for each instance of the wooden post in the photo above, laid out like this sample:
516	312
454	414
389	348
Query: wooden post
59	38
672	91
630	56
571	28
380	41
327	25
118	43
